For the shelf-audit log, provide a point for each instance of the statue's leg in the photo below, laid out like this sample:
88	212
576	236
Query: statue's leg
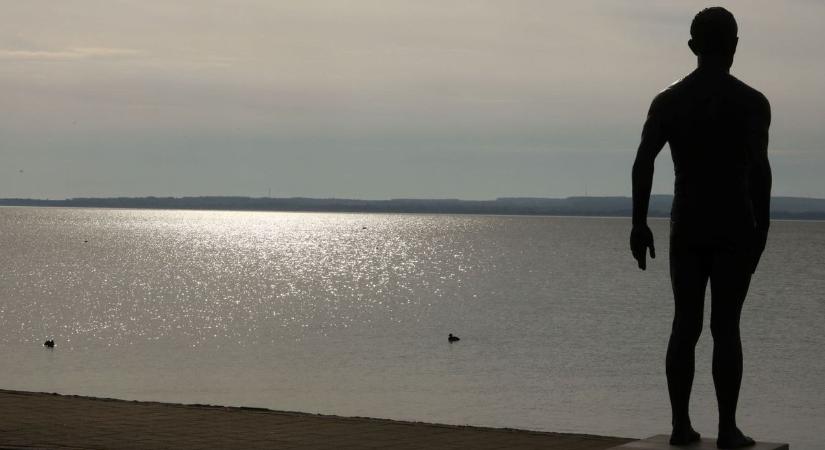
729	283
689	272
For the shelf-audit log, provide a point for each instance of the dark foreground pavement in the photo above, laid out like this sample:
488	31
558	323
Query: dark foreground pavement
37	420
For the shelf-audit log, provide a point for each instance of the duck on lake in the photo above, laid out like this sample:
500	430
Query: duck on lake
49	343
452	338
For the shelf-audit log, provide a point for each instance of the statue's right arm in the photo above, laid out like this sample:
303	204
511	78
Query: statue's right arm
760	177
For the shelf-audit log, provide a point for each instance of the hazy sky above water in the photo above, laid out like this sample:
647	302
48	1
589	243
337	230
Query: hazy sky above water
374	99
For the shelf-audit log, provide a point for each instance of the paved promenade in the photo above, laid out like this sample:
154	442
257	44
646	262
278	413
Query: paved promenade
34	420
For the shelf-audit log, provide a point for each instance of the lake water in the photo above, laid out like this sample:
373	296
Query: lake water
349	314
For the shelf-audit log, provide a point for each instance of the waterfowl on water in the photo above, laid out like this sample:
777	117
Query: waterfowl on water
49	343
452	338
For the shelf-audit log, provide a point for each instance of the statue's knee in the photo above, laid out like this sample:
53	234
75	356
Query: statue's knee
687	332
723	332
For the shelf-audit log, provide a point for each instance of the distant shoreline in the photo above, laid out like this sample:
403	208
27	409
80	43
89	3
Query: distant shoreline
793	208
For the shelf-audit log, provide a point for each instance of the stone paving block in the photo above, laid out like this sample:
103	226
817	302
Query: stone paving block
661	442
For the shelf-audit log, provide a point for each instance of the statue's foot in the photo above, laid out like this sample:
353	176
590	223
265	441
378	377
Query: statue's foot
684	436
733	439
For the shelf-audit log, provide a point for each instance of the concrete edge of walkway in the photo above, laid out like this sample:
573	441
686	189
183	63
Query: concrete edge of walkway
361	419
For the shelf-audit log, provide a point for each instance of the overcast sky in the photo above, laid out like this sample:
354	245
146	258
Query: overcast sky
375	99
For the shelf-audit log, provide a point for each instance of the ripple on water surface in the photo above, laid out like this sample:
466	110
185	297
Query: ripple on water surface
349	314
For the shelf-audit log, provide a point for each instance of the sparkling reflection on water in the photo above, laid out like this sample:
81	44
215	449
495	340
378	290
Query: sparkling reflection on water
348	314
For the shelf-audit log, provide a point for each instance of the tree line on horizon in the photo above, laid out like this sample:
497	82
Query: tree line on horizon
781	207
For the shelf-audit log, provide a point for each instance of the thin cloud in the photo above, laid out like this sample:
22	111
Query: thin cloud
70	54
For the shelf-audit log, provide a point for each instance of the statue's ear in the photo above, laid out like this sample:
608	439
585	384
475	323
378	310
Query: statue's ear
692	46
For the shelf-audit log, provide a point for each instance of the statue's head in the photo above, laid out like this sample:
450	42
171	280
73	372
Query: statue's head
713	35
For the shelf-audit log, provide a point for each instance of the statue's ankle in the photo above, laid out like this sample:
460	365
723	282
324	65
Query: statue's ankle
728	427
682	424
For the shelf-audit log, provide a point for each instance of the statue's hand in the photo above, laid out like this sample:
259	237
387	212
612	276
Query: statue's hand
640	239
758	246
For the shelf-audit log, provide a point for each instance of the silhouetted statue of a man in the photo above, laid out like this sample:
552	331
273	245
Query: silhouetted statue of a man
717	128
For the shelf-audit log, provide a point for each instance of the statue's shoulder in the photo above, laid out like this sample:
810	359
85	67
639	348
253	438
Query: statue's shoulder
666	98
750	96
